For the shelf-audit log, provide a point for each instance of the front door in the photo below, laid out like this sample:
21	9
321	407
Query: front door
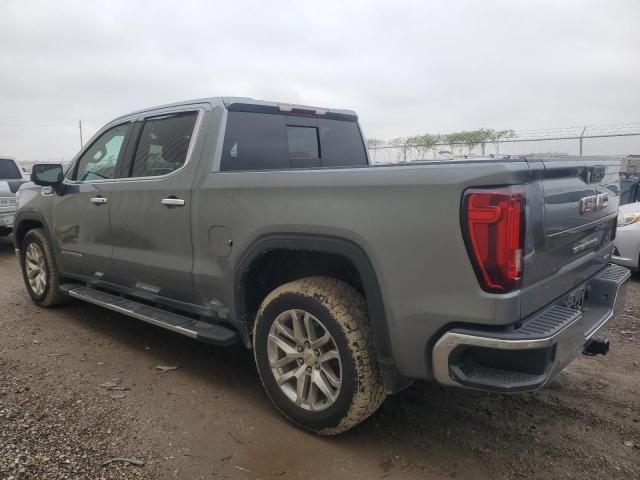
80	213
150	210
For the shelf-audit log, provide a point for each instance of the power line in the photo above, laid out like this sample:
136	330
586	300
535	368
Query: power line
33	125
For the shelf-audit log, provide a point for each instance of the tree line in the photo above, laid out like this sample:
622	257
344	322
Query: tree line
426	142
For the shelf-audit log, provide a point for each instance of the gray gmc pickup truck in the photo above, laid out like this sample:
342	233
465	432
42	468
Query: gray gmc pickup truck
234	220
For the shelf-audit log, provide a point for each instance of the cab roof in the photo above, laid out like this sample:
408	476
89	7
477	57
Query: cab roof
252	104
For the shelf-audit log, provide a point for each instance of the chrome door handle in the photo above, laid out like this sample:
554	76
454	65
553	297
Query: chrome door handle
98	200
173	202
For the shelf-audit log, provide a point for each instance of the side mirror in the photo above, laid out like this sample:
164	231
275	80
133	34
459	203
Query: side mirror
47	174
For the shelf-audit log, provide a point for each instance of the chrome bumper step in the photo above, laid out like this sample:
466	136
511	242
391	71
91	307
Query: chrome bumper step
203	331
526	357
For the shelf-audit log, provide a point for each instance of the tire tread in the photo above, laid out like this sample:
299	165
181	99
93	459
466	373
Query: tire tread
54	296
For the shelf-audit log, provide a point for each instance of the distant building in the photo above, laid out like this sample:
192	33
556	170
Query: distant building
630	164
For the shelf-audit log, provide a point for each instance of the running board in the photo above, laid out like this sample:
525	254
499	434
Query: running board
202	331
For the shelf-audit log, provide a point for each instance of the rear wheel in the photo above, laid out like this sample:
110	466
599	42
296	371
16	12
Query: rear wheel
38	269
315	354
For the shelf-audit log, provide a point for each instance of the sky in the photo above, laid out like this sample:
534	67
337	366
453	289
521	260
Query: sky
406	67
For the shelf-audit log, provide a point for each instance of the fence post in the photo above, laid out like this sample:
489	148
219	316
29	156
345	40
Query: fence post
404	153
581	137
483	149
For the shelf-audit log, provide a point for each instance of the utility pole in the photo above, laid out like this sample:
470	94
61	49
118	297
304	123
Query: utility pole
80	126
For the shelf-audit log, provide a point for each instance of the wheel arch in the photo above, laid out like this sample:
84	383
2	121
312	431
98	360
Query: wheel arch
328	245
25	222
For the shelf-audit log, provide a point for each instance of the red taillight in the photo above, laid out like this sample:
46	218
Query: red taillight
493	223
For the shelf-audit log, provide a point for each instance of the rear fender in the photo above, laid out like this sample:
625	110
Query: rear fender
330	245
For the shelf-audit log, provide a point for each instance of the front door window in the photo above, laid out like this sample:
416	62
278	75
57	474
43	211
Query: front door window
99	161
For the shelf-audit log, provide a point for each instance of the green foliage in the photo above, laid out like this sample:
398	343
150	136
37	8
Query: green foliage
396	142
426	140
421	144
375	143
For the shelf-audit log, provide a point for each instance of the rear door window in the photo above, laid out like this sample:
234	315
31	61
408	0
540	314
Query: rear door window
265	141
163	144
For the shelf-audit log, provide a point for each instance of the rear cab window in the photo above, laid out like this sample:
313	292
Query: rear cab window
272	141
303	142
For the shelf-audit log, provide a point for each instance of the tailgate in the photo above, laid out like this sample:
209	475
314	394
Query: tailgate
571	222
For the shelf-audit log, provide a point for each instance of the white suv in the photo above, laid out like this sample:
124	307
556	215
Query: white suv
11	177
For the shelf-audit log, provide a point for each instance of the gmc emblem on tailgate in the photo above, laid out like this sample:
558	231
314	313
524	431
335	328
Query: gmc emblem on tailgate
593	203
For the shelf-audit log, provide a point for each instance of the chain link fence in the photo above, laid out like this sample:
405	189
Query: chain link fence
621	140
617	141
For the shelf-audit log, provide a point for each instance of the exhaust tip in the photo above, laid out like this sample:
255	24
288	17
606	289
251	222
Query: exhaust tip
597	346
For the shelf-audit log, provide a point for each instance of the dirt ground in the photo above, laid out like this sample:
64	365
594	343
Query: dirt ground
79	386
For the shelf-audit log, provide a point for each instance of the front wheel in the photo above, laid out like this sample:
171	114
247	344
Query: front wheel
315	354
39	271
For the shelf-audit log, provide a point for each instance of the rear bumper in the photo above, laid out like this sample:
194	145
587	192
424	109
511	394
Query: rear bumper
526	357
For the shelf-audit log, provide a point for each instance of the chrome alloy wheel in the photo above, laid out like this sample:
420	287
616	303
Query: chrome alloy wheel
36	269
304	360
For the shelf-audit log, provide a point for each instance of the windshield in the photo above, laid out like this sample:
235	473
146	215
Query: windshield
9	170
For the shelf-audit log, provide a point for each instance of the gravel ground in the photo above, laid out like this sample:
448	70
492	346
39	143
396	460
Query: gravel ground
80	386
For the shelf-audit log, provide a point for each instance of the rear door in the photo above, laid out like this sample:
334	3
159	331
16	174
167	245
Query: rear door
572	211
150	210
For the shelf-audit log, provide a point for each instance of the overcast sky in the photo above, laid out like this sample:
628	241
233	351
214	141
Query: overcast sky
405	67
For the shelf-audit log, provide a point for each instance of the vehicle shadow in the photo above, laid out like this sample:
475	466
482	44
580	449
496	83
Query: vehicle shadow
6	244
